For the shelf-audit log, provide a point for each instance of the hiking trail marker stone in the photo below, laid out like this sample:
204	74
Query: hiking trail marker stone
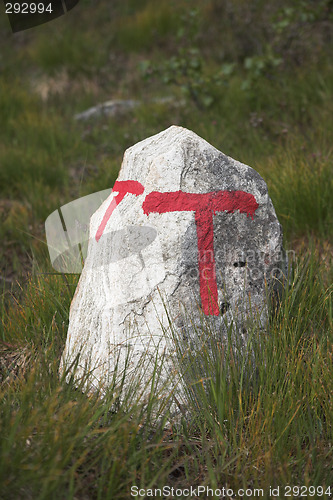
185	229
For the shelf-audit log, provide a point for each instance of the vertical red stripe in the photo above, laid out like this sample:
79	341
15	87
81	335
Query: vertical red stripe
207	276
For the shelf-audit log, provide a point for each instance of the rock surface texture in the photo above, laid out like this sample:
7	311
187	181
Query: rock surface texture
186	230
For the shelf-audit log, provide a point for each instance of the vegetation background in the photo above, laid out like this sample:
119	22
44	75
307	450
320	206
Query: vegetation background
255	79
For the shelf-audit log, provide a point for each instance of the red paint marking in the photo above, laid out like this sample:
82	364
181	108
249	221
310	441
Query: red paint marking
122	187
204	206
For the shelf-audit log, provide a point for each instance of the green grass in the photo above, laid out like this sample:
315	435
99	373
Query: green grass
257	421
267	420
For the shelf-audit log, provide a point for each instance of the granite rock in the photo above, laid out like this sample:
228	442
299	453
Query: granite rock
187	235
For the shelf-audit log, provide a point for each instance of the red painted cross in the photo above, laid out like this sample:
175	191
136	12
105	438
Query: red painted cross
123	187
204	206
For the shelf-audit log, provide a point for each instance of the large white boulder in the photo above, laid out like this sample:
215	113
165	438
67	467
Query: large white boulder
187	234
